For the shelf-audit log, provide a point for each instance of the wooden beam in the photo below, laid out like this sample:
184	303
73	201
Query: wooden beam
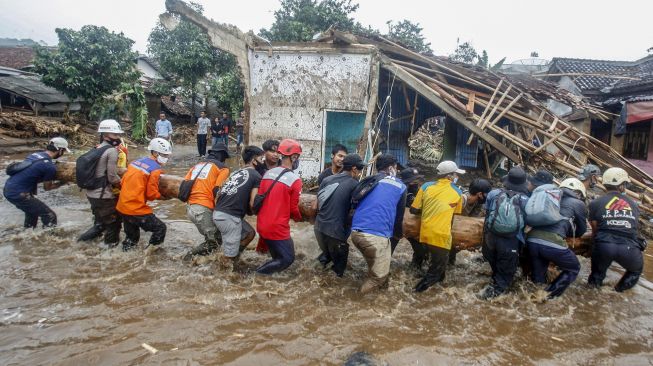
403	87
549	141
505	110
487	108
471	101
432	96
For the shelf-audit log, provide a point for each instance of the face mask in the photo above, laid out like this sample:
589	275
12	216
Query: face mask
161	159
413	188
260	167
295	164
455	180
482	199
114	142
392	171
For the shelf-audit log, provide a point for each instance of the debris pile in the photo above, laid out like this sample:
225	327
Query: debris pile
427	143
22	126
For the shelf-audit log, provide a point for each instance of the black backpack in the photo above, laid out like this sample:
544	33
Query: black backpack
364	187
86	166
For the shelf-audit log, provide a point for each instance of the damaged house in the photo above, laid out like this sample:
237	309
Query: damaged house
375	96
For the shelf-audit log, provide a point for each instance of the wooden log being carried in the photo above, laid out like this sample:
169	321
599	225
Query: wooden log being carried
467	232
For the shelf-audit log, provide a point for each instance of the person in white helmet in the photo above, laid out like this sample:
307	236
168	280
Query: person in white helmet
21	186
102	199
139	185
547	244
614	218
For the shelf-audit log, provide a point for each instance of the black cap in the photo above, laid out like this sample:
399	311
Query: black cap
353	160
384	161
408	175
541	177
515	180
480	185
219	146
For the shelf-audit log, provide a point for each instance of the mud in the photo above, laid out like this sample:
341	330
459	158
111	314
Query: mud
70	303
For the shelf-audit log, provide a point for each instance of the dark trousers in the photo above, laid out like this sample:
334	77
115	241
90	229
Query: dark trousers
541	255
133	224
105	215
438	266
503	255
33	209
283	255
201	144
623	251
420	251
336	251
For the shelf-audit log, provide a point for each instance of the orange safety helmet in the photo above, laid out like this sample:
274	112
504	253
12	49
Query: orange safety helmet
289	147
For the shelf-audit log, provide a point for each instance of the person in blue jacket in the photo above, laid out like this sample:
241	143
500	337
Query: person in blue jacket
21	186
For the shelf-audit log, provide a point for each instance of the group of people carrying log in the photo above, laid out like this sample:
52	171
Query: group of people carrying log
526	220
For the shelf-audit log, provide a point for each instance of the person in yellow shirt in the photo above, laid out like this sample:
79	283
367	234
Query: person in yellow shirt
436	203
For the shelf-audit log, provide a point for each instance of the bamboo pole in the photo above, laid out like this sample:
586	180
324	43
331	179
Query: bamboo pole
551	140
487	107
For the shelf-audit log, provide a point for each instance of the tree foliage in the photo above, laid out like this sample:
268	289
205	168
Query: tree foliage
300	20
226	88
90	63
185	54
409	34
467	54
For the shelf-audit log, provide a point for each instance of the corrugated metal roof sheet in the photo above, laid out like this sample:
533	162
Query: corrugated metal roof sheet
32	87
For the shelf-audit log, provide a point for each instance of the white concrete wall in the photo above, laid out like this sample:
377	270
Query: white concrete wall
290	91
147	69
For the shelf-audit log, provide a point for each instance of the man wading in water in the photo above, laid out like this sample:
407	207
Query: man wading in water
282	188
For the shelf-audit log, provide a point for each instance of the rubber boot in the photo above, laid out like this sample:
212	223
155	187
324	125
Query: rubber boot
559	285
324	259
205	248
128	245
626	282
423	285
93	232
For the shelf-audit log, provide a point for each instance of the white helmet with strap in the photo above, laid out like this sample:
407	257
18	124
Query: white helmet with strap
162	146
575	185
109	126
615	176
60	143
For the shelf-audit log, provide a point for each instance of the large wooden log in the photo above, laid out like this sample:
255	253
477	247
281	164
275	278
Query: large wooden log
467	232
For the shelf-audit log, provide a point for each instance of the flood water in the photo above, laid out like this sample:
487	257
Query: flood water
71	303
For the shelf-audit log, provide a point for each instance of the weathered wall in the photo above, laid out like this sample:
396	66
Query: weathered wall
290	91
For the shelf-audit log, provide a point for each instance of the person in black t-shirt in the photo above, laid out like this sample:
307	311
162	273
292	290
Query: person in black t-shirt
332	224
338	153
234	202
614	219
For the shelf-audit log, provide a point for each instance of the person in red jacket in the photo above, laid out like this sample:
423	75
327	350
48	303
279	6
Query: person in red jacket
280	204
139	185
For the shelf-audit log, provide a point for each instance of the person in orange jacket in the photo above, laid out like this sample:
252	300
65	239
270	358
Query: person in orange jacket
209	177
139	185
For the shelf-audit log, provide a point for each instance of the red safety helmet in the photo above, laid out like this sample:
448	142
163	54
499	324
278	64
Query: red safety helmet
289	147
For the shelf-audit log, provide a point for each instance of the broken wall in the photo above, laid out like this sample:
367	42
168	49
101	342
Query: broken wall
291	91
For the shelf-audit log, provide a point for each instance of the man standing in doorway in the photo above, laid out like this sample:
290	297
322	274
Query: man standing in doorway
338	153
203	125
163	127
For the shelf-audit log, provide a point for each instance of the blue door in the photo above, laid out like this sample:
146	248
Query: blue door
344	128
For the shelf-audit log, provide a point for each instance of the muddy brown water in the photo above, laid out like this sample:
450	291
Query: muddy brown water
71	303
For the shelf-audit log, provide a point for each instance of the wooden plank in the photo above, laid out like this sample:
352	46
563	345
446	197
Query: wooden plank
403	87
505	110
471	101
549	141
432	96
483	123
553	124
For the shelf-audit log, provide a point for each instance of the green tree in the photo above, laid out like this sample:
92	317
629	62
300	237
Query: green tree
227	89
184	53
409	34
465	53
90	64
300	20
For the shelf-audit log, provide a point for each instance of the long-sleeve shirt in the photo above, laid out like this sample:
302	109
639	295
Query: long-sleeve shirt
281	204
108	165
139	185
163	128
381	212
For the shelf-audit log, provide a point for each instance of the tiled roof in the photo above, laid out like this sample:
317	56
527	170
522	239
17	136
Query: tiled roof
16	57
638	73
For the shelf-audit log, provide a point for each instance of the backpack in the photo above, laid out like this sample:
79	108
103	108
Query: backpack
85	169
364	187
17	167
506	218
543	207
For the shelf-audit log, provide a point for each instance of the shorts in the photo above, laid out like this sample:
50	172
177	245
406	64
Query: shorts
233	230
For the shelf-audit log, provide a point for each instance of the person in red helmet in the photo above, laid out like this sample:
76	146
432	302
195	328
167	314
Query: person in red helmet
281	187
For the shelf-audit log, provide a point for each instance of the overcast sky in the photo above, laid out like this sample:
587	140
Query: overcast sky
614	30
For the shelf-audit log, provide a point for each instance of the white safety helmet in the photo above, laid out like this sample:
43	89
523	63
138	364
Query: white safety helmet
615	176
60	143
575	185
162	146
109	126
